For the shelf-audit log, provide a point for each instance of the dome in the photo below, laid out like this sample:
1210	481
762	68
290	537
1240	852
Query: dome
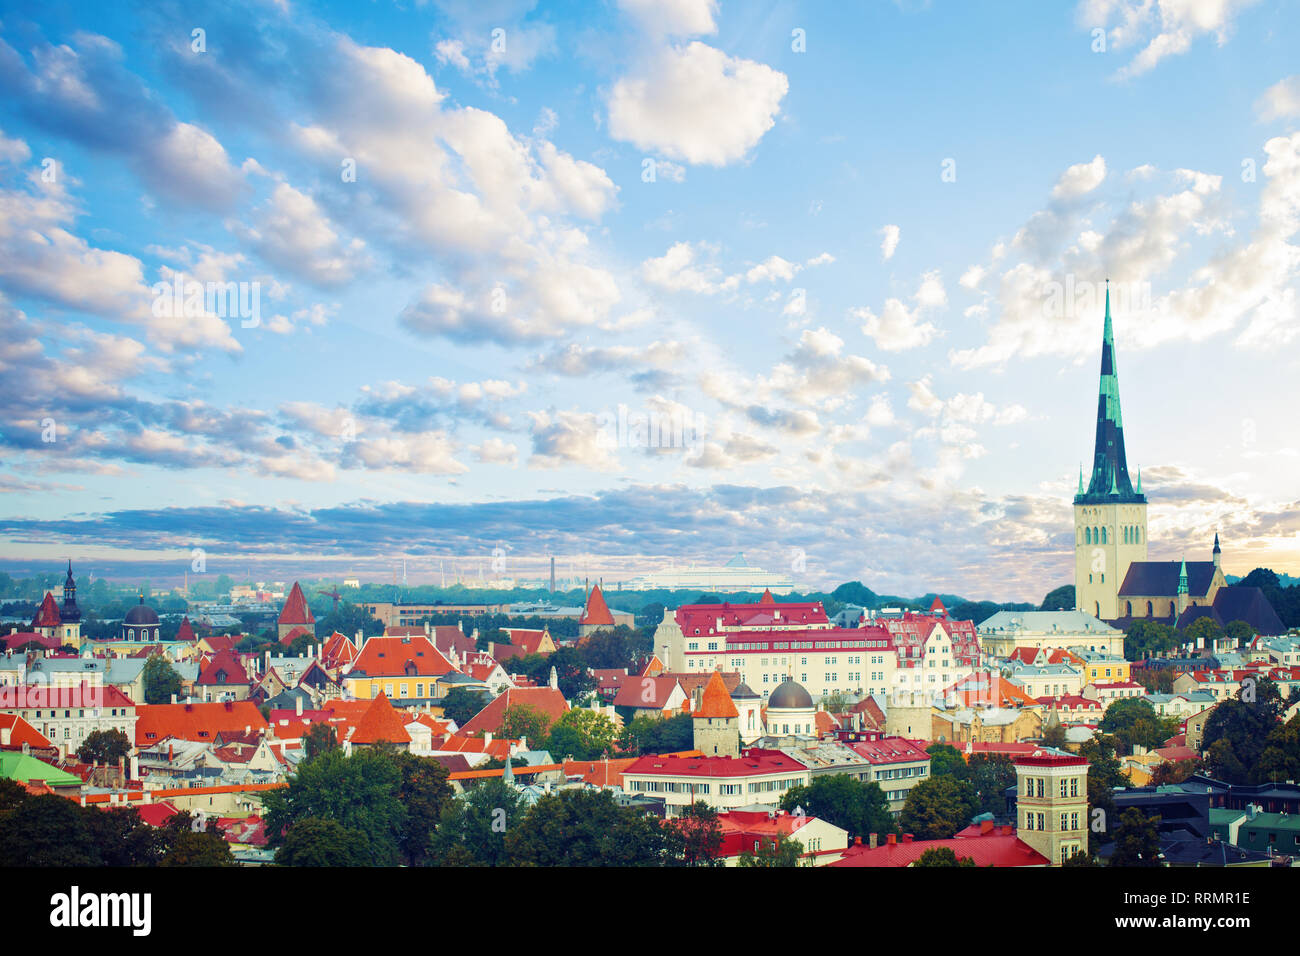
790	696
141	614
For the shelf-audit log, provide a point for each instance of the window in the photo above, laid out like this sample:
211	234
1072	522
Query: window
1074	786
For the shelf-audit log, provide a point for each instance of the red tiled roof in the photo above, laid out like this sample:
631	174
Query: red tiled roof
219	663
194	721
295	609
993	849
185	632
888	750
597	612
23	638
156	814
293	634
382	722
599	773
21	732
47	615
546	699
221	642
338	650
989	689
646	693
708	619
751	763
767	597
716	702
400	657
529	639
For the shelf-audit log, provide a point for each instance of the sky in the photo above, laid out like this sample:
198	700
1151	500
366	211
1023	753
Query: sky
453	256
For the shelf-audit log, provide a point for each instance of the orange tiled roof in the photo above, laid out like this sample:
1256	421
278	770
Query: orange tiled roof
400	657
194	721
597	612
546	699
716	702
295	609
381	722
21	732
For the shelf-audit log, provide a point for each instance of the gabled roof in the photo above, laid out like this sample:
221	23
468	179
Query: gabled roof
194	721
381	722
1160	578
338	649
226	664
47	615
597	612
400	657
548	700
295	609
647	693
186	632
24	768
716	702
21	732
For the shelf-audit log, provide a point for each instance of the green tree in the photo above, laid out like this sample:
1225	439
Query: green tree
312	841
857	806
1239	632
521	720
990	775
945	759
425	794
201	848
1054	735
122	838
473	828
696	835
160	680
12	795
317	740
1148	639
942	856
359	791
1059	599
46	831
105	746
655	735
781	851
348	619
1238	731
586	828
938	807
1203	632
1137	840
582	735
461	704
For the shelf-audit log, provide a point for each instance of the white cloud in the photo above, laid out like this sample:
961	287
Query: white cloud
697	104
1280	101
889	241
1167	27
1080	179
899	327
672	18
678	271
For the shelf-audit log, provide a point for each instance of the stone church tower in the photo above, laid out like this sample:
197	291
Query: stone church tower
1110	516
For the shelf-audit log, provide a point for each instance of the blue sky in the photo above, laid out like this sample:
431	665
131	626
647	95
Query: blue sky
839	278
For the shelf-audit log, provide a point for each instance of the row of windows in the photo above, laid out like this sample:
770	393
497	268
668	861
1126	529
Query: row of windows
1035	786
1037	821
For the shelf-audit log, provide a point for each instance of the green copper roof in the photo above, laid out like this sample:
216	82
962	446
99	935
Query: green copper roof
1182	577
1109	481
25	768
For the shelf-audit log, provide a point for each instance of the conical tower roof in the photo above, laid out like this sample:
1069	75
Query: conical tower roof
1110	477
716	702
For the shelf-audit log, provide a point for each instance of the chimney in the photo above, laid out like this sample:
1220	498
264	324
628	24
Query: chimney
892	839
487	739
907	838
299	706
173	698
873	839
135	768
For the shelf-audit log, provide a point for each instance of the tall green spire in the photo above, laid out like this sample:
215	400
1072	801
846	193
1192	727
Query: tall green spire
1110	479
1182	577
1080	478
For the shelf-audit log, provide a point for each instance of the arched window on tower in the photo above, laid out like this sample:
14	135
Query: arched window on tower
1150	610
1098	610
1087	532
1128	608
1103	535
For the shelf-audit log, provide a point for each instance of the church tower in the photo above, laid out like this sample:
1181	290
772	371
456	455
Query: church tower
1110	515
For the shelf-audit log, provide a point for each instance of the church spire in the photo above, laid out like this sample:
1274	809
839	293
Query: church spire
1182	577
1110	476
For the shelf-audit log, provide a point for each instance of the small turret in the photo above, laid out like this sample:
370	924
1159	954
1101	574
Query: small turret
1217	552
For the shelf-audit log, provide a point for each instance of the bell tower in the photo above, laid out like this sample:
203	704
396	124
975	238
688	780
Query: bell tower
1110	514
